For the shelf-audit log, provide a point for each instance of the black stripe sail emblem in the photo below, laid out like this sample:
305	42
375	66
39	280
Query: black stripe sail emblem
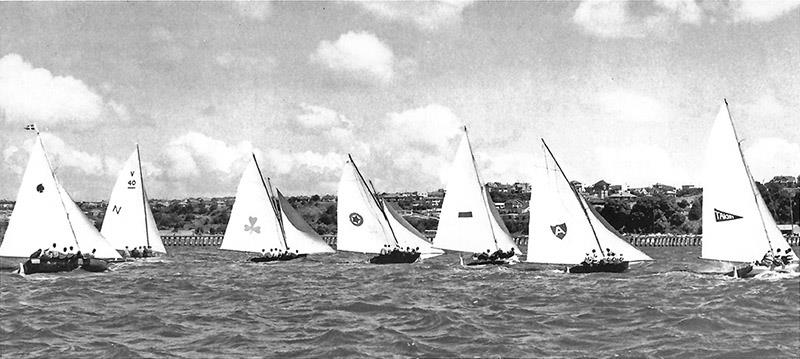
721	216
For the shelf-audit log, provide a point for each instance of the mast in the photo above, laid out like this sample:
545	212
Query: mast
483	189
577	197
753	188
55	180
275	208
144	197
374	198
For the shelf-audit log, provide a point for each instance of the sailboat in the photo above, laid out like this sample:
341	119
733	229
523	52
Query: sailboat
367	224
261	222
129	221
564	229
737	225
469	221
45	215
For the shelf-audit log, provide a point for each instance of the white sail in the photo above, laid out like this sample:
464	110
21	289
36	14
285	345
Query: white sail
39	218
45	214
563	227
129	221
737	226
299	235
407	235
88	237
361	224
253	224
466	223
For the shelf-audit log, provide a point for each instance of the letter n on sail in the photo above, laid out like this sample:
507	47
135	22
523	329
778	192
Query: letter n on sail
559	230
721	216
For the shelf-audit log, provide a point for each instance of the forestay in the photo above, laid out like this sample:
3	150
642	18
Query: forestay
253	224
737	226
407	235
563	227
466	223
299	235
129	221
361	224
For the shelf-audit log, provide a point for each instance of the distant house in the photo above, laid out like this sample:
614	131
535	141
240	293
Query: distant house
623	196
664	189
784	180
687	186
500	205
578	186
612	189
789	228
601	185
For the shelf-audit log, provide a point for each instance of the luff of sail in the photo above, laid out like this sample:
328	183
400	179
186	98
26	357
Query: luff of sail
407	235
129	222
45	214
563	227
361	224
466	222
299	235
253	224
737	226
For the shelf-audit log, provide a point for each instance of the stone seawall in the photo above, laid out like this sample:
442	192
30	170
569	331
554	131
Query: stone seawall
646	240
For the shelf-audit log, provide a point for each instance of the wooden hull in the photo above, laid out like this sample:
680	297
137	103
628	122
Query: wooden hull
276	259
600	268
34	265
395	258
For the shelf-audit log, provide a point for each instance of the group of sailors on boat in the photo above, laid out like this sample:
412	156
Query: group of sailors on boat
396	254
776	260
52	254
388	250
610	258
499	254
280	254
138	252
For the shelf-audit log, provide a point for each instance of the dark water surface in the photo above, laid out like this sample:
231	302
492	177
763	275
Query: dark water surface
201	302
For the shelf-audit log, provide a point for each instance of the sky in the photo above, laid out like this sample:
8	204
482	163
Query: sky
624	91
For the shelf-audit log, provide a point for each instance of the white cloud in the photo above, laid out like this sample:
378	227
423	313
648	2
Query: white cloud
633	107
256	10
358	54
637	19
283	163
637	165
316	117
194	153
243	62
430	125
771	156
29	94
427	15
761	10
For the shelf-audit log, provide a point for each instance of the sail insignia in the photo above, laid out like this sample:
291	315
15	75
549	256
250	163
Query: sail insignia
559	230
721	216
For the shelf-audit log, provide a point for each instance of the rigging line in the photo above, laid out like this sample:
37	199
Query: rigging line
753	187
277	209
577	196
483	190
60	198
374	198
144	197
268	194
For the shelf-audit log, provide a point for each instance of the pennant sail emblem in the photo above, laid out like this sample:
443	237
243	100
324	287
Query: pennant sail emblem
559	230
721	216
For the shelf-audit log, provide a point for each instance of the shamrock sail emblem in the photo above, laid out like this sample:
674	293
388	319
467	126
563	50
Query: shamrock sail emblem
252	226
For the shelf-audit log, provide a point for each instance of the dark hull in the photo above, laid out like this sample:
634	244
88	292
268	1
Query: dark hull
395	258
600	268
487	262
265	259
33	266
740	272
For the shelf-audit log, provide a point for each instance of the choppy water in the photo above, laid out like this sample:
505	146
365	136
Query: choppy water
200	302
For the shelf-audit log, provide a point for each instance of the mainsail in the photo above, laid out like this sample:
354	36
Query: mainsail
737	226
44	214
299	235
563	227
253	224
467	222
129	221
362	225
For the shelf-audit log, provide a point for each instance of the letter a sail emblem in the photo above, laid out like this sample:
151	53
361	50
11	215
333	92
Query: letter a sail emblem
559	230
721	216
